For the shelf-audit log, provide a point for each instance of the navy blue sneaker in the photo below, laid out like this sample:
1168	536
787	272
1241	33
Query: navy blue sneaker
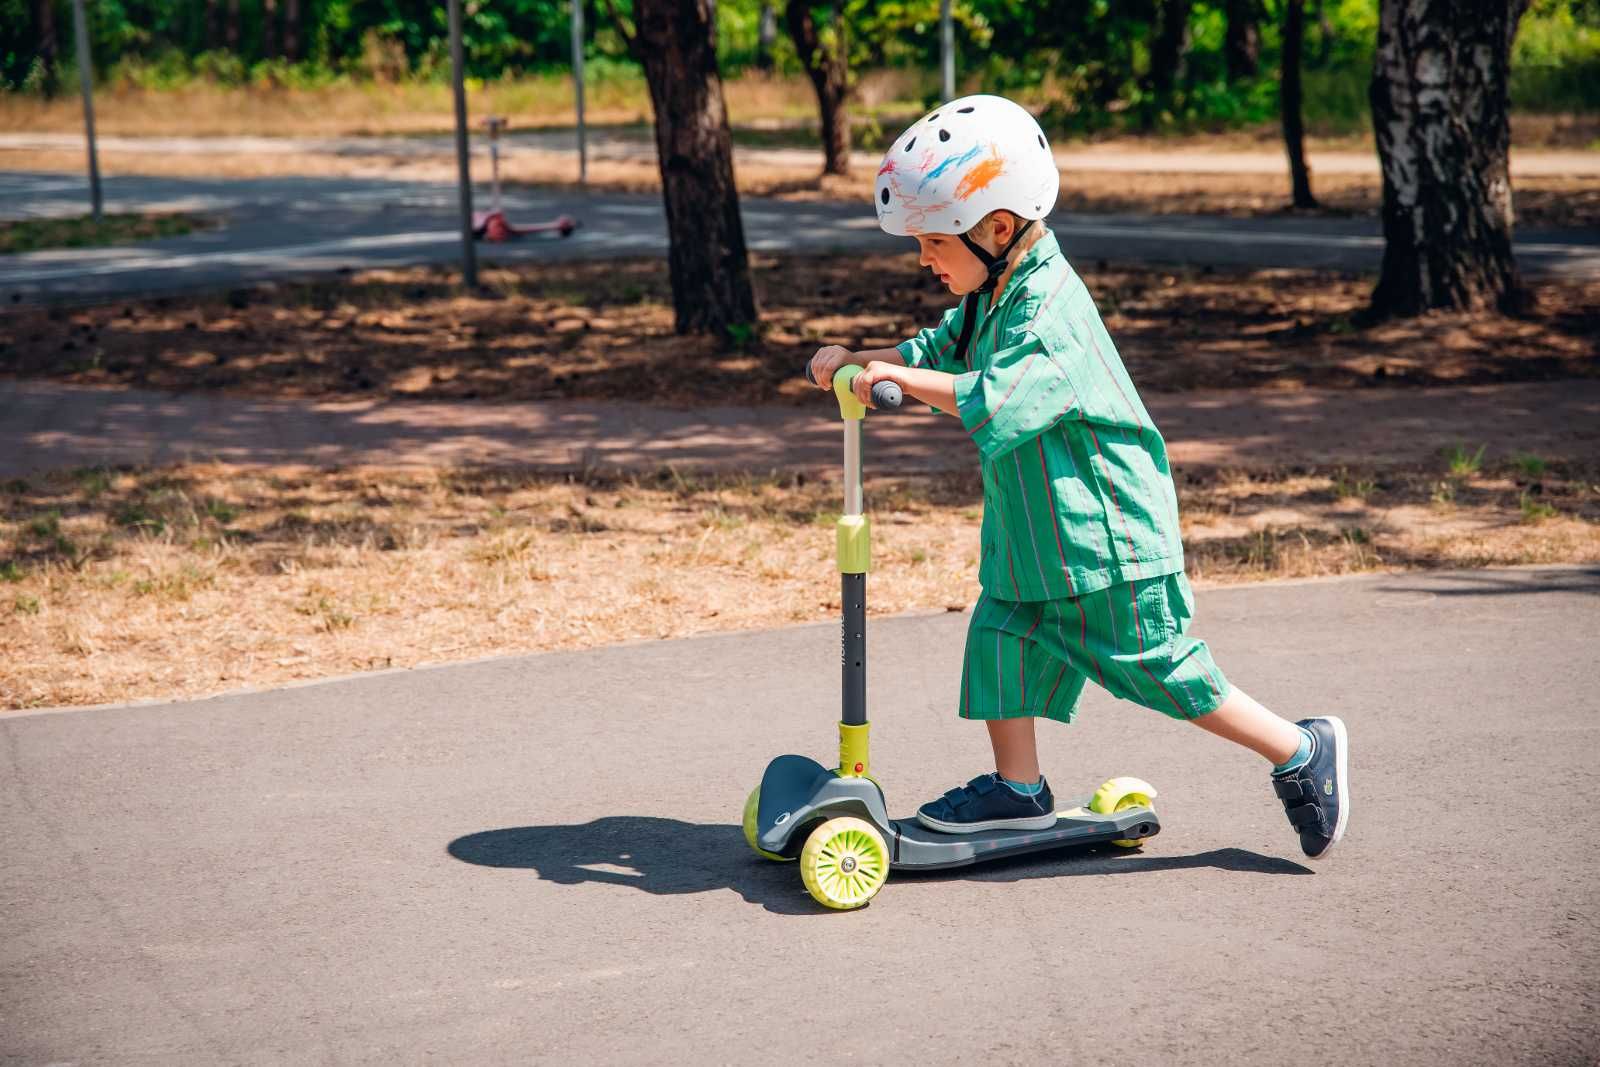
1316	796
987	803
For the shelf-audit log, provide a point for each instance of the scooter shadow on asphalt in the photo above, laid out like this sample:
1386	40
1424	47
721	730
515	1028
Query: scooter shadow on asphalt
669	856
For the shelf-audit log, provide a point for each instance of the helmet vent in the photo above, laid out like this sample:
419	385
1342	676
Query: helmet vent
884	194
933	117
964	110
1042	144
910	143
944	135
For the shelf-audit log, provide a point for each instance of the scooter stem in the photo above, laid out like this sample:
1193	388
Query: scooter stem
854	558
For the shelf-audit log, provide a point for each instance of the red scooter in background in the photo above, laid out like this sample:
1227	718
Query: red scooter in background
492	225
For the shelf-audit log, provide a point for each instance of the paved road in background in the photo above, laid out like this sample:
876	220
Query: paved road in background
636	143
537	859
292	227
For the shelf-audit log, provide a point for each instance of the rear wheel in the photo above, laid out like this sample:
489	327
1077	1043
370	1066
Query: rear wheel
751	806
844	863
1120	794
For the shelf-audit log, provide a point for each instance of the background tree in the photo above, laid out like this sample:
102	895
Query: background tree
675	42
766	36
1241	42
1440	110
1289	103
824	53
1168	45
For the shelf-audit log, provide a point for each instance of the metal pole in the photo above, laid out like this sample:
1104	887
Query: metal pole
947	48
577	78
81	31
469	253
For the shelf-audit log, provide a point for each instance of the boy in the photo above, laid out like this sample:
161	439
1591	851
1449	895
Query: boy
1082	566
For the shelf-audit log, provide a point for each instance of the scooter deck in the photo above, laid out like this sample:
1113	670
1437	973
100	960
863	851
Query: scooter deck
915	847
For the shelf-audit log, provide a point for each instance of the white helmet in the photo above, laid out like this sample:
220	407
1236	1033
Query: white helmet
963	160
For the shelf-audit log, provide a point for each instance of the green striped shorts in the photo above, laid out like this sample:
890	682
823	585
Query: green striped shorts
1033	657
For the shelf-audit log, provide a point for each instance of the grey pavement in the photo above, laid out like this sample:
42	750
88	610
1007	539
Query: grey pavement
537	859
278	228
635	142
45	426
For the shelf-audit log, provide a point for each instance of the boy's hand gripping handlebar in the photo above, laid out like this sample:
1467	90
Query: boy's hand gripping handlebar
884	394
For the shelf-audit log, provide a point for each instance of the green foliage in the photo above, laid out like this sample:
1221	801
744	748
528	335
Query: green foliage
1085	62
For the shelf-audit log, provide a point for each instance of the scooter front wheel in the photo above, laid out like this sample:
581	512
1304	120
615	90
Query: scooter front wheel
844	863
751	806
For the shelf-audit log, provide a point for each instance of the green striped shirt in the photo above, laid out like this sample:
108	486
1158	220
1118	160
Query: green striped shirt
1077	493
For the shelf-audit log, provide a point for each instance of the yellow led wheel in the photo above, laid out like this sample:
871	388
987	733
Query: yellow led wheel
845	863
1120	794
750	807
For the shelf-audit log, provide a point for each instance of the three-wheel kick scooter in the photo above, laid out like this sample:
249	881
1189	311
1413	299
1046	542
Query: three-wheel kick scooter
834	820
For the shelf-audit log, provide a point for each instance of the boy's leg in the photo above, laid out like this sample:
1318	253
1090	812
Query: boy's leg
1008	680
1243	721
1016	755
1134	638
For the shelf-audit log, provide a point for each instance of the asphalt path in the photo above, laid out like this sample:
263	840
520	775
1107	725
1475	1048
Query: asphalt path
537	859
282	228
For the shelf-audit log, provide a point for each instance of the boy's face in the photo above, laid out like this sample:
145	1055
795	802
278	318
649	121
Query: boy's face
947	257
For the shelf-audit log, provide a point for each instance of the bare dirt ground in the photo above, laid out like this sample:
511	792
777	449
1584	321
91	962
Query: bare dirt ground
604	331
121	584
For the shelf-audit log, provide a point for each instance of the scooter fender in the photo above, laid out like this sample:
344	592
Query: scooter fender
797	791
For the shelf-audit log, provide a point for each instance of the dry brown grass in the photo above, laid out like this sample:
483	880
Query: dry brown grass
604	330
118	585
377	107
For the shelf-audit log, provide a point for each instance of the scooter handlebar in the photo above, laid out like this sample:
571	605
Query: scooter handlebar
884	394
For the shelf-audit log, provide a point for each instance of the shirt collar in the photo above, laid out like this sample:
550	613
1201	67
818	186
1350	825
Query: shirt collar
1037	255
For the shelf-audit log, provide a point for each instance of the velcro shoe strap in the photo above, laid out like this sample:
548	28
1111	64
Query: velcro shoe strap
957	797
1307	817
1293	789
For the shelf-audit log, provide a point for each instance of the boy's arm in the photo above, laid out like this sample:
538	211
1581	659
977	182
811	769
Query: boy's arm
934	388
830	358
1021	392
935	348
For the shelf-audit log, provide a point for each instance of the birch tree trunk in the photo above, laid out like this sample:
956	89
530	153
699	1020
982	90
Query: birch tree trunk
675	41
1440	110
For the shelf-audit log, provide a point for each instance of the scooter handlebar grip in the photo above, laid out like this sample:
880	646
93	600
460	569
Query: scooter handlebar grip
884	394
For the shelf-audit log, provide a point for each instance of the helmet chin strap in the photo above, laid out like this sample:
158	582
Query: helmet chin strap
996	266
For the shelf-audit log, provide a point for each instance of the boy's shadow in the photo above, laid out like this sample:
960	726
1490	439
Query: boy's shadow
671	856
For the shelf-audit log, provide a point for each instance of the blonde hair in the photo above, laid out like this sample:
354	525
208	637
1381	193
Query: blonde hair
984	230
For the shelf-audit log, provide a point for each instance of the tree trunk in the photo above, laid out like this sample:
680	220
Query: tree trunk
291	30
1440	108
828	65
269	29
44	20
1169	46
766	37
676	43
1241	45
231	27
213	25
1294	134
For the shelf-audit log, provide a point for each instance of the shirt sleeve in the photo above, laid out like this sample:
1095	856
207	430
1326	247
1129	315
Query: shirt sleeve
1022	392
935	349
